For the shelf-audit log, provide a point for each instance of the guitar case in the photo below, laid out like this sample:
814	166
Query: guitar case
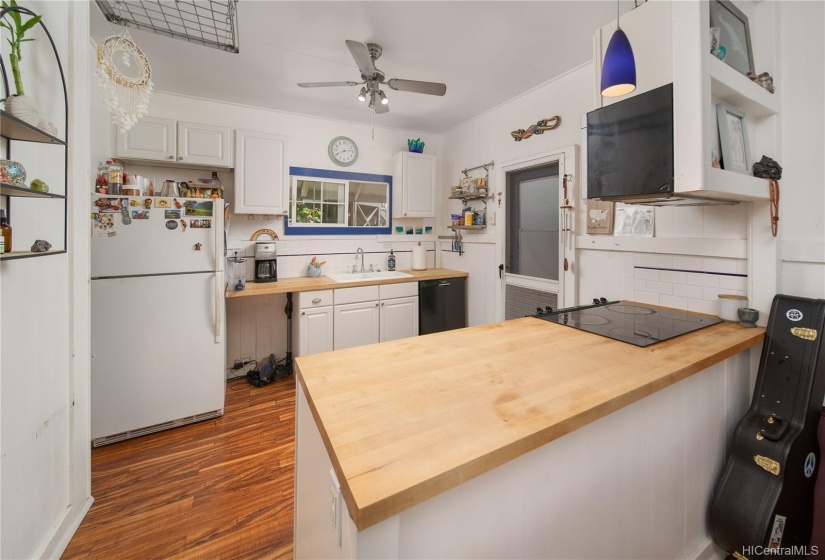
764	497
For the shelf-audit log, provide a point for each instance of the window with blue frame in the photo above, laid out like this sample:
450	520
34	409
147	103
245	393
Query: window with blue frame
323	201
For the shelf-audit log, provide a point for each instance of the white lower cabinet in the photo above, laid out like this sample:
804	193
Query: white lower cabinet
399	311
371	314
356	324
313	330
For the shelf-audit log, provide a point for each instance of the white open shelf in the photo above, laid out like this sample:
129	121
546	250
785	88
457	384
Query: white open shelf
737	90
720	183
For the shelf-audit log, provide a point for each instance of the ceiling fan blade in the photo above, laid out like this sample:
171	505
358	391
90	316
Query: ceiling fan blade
361	53
430	88
329	84
381	108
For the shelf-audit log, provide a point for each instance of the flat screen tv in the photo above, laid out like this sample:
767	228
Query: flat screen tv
630	147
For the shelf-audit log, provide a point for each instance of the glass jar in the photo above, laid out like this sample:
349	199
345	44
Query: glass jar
115	176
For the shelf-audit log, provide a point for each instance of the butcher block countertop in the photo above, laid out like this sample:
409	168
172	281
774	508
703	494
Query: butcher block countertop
307	284
404	421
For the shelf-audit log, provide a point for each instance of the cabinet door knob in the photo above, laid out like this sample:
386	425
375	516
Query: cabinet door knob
316	300
171	157
180	158
376	305
382	304
303	313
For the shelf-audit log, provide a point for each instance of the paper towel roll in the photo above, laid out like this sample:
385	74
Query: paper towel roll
419	257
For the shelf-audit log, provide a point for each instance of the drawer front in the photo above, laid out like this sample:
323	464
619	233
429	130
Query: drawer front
356	295
318	298
406	289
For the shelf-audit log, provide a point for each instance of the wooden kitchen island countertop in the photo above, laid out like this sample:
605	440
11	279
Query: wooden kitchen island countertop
404	421
307	284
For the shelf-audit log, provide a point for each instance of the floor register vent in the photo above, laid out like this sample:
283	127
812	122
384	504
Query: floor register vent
156	428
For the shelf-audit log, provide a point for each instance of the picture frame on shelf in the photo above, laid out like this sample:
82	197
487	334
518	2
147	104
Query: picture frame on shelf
734	34
733	139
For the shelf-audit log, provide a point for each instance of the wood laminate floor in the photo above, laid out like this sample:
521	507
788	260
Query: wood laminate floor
219	489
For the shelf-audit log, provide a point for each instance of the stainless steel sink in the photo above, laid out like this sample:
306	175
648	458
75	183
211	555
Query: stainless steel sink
360	276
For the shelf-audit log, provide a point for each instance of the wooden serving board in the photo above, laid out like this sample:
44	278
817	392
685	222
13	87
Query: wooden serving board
406	420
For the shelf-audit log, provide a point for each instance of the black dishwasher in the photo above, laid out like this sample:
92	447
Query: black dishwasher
442	305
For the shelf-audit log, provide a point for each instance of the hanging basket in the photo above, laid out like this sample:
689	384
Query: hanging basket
127	97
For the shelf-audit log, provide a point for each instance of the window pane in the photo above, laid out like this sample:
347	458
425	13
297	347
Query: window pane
533	223
309	190
333	192
308	213
334	214
369	204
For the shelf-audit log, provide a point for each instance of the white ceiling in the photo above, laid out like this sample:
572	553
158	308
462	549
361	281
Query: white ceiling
485	51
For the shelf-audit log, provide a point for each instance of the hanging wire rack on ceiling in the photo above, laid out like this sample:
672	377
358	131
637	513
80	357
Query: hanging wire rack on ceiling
211	23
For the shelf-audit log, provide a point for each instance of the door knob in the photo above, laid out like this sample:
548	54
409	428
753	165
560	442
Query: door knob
316	300
171	157
180	158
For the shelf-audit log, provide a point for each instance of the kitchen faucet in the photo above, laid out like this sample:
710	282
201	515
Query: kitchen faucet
360	251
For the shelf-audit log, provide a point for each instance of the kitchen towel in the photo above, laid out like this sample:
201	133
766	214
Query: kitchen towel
419	257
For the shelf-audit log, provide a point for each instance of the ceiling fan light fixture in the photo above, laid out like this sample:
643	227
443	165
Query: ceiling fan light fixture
363	95
384	99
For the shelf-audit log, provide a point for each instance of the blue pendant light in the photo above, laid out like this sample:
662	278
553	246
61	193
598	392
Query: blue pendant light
619	67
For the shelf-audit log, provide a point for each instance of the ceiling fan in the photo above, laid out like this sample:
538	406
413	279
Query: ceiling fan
365	56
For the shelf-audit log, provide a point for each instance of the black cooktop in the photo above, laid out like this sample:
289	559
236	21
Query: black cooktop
629	322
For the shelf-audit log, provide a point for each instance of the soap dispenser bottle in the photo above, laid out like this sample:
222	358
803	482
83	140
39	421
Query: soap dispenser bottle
391	261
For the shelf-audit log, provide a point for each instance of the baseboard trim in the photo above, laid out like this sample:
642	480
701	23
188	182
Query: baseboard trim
708	552
65	530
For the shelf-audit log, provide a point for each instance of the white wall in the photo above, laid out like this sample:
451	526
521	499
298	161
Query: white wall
802	205
44	331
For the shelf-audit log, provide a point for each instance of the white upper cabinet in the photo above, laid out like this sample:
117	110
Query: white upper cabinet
204	144
261	173
413	185
151	139
168	140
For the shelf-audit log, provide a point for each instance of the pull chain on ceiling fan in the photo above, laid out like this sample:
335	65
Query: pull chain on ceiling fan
372	78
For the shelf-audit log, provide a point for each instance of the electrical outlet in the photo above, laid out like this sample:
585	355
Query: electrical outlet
492	218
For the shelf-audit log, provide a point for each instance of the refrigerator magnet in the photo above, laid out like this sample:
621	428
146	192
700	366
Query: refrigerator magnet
183	223
178	204
171	214
147	203
200	224
171	224
103	225
198	208
124	216
134	202
163	203
140	215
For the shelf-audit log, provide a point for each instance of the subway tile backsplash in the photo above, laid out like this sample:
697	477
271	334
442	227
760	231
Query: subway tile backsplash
684	282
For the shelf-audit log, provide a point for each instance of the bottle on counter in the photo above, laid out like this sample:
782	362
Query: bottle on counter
115	176
391	261
5	229
101	182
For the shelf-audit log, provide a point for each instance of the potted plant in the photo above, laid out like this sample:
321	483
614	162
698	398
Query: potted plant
20	105
314	268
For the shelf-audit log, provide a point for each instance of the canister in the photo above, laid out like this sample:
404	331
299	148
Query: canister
468	218
729	305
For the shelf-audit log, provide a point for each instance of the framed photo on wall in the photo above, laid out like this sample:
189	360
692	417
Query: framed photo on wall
733	139
734	34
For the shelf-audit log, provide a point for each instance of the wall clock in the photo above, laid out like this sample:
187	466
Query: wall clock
342	151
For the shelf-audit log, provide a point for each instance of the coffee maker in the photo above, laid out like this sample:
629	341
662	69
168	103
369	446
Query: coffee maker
266	265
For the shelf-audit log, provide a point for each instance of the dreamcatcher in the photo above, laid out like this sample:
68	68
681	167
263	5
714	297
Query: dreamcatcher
127	97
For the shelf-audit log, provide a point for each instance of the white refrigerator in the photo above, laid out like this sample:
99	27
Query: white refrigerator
157	315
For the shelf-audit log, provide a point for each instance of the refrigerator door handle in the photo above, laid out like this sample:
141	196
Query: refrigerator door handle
219	287
218	304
